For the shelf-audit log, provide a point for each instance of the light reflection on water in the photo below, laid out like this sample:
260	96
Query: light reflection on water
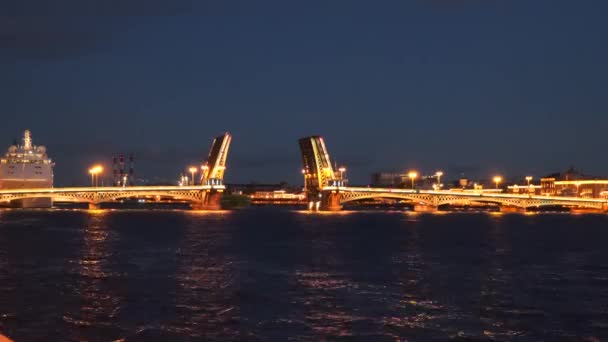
204	278
97	305
274	275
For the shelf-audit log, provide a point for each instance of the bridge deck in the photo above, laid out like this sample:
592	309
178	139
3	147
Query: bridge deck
442	197
379	192
203	196
111	189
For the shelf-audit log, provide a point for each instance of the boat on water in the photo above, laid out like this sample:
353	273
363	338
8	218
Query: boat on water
26	166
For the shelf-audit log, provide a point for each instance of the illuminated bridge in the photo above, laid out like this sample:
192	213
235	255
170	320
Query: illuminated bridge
199	195
205	196
325	190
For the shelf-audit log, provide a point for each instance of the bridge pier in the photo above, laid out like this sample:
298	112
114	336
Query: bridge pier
331	201
211	201
94	206
424	208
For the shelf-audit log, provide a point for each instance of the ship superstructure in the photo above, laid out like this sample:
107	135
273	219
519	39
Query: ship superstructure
27	166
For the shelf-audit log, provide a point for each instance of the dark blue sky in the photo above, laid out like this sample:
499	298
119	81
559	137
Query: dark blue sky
486	86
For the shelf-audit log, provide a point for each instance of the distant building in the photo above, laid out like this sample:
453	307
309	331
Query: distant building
250	188
525	189
278	195
547	186
573	183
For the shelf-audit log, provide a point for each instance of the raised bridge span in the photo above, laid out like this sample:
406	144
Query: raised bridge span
326	190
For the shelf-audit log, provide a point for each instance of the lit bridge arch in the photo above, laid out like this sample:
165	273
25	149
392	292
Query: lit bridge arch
197	195
438	198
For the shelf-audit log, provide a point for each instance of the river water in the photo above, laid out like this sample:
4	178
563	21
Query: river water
265	274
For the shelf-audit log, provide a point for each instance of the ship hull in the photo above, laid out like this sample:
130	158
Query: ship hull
43	202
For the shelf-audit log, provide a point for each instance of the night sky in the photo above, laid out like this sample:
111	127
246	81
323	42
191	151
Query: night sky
474	87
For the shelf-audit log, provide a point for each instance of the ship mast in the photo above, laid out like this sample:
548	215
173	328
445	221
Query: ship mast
27	140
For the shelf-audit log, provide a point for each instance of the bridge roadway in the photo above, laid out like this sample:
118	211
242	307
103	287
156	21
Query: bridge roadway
206	197
428	200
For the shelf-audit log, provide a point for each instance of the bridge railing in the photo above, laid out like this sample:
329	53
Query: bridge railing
463	194
114	189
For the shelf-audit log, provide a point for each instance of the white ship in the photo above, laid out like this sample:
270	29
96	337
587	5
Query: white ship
27	166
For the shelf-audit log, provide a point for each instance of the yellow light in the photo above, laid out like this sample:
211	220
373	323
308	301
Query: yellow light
342	169
96	169
497	179
439	173
192	169
204	167
412	175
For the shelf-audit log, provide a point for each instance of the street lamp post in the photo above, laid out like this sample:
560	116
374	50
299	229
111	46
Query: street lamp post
439	174
497	180
92	172
95	171
192	171
412	175
342	169
528	179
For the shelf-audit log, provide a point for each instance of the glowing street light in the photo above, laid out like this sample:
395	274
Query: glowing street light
439	174
528	179
95	171
413	175
192	170
497	180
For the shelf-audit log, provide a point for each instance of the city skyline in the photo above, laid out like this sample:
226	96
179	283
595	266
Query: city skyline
482	88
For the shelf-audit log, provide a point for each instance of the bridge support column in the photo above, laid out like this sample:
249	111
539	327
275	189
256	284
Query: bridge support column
424	208
511	209
211	201
94	206
331	201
